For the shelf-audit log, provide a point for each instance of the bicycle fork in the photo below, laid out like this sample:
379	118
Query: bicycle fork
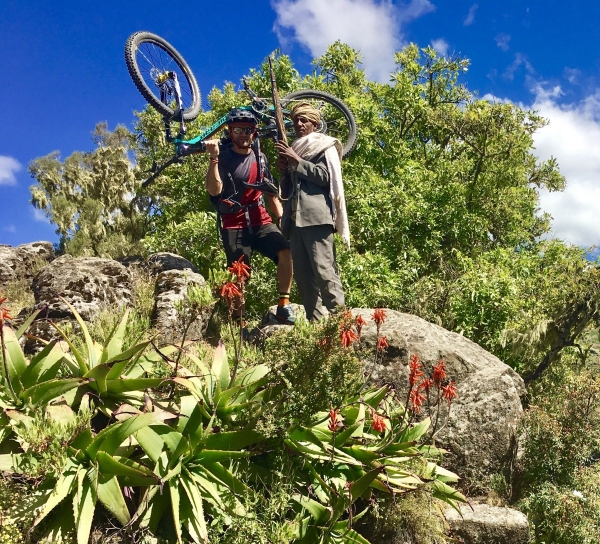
169	87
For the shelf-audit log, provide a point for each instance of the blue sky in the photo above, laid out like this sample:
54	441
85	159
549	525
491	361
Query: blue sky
63	71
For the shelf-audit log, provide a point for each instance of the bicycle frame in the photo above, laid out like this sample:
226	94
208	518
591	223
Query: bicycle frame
259	108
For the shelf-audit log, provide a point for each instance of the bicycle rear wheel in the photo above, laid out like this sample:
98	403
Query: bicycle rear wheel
336	118
149	58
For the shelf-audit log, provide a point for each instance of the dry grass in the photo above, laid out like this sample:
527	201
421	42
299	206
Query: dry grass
19	295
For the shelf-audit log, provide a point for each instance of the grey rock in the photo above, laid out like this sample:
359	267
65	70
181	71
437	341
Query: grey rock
89	284
23	261
171	289
161	262
482	426
486	524
43	328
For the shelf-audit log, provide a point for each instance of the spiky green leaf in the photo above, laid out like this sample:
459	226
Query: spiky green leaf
111	496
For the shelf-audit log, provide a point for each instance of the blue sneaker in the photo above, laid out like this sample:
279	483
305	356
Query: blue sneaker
285	314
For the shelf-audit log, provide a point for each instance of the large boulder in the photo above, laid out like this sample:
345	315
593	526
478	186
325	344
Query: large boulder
482	425
23	261
89	284
170	291
161	262
486	524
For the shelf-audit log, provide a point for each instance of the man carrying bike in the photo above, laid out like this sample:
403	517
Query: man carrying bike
238	176
311	182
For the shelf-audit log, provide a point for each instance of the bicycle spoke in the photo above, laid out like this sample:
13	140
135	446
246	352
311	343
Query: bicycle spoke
151	61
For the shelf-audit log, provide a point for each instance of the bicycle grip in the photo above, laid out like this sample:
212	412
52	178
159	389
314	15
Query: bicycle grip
184	150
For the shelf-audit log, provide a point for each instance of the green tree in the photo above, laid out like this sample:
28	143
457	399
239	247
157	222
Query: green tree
90	196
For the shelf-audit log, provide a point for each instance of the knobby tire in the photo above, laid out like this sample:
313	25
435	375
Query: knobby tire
147	54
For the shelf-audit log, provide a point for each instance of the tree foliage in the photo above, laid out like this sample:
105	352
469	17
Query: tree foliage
90	196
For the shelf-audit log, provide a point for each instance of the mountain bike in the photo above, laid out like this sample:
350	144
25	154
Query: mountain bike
165	80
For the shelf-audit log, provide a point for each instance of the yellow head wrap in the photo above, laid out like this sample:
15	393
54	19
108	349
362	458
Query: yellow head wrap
308	111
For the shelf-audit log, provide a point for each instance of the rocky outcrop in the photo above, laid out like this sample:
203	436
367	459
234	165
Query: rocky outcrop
171	290
87	283
486	524
161	262
481	431
23	261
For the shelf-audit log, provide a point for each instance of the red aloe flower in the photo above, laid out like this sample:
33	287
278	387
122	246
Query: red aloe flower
229	291
4	312
359	323
449	391
335	420
439	373
379	316
382	343
240	270
426	385
416	371
348	337
416	400
378	422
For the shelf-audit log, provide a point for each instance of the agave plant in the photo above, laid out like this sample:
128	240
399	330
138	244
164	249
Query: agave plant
196	459
112	375
96	470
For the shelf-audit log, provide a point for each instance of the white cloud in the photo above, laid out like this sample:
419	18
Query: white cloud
572	75
572	137
502	41
441	46
374	27
471	15
496	99
10	228
520	60
38	215
8	168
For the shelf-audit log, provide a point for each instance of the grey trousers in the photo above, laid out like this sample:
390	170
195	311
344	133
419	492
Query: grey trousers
315	269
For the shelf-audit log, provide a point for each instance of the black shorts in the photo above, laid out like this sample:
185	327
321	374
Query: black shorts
266	239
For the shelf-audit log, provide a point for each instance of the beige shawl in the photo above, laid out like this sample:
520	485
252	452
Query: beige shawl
310	146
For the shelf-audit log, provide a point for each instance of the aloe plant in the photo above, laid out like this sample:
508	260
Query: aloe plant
345	459
113	375
33	382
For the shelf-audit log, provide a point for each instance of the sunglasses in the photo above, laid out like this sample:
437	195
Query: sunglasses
243	130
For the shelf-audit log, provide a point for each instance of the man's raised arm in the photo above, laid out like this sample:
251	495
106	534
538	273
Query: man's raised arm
214	185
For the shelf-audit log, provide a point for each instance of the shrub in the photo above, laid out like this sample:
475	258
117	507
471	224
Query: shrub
559	478
415	518
317	370
566	514
562	431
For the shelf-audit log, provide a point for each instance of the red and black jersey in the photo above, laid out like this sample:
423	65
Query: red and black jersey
235	171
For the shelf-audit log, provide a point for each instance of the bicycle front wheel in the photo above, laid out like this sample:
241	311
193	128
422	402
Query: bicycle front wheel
149	59
336	118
